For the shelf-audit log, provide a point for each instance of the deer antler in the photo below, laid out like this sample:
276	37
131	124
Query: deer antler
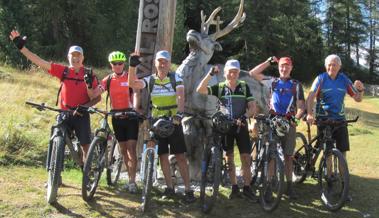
236	22
205	24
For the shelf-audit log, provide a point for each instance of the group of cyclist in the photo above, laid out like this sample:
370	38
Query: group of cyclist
81	87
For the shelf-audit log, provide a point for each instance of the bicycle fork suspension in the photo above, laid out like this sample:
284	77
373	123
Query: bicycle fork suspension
143	162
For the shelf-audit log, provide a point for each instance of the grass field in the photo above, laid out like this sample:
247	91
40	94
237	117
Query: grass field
23	139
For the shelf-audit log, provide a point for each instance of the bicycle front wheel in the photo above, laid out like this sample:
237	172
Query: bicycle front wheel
55	169
93	168
148	179
271	190
210	176
300	160
115	163
333	180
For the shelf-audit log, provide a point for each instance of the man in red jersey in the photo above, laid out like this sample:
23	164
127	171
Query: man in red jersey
77	86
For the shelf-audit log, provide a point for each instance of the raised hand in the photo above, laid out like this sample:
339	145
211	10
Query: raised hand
17	39
359	85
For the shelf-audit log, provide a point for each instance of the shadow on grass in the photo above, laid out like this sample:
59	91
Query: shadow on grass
63	210
368	118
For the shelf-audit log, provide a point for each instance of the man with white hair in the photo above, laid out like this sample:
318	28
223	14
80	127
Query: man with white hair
330	89
235	95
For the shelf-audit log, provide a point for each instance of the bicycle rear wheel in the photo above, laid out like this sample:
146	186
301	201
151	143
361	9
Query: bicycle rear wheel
93	168
300	160
115	163
148	179
210	175
271	190
55	169
334	185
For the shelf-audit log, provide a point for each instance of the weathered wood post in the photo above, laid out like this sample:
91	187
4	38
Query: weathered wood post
155	31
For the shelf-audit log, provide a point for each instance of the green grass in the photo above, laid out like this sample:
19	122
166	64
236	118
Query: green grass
23	141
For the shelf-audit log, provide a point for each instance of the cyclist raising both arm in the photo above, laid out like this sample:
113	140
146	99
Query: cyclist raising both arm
287	99
235	95
78	87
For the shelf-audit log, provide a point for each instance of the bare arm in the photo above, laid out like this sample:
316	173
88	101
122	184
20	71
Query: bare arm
257	72
30	55
300	108
202	88
310	103
360	87
180	98
133	80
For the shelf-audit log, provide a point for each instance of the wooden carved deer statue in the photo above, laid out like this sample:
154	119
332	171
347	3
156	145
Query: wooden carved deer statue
202	46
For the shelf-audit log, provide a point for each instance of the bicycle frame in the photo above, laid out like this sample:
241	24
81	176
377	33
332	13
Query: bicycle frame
60	129
143	161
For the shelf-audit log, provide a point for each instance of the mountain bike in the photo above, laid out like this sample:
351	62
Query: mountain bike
162	127
333	173
61	135
98	155
212	164
268	175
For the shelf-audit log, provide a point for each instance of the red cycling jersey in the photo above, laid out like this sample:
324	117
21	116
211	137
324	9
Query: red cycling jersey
74	89
119	91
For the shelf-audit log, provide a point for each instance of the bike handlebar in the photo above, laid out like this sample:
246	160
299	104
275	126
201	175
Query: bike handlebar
335	122
129	113
42	107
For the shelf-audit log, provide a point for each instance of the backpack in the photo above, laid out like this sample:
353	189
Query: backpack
109	79
64	77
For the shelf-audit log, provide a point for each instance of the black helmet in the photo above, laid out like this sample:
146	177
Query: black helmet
281	125
221	122
163	128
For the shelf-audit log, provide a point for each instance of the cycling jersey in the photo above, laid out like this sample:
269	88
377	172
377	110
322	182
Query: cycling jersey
284	95
119	91
163	96
74	89
331	94
235	101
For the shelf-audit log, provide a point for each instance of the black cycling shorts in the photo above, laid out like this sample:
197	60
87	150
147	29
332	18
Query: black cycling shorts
176	142
341	135
81	125
125	129
242	138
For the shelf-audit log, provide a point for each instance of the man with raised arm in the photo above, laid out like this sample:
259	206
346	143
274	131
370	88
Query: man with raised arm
167	100
77	88
287	99
235	95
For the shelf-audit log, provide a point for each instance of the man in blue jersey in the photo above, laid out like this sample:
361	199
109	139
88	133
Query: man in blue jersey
287	99
330	89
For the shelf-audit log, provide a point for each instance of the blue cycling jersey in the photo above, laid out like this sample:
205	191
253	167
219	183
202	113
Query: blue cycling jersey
284	95
331	94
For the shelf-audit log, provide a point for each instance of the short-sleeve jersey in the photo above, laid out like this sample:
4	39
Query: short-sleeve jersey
119	92
330	95
235	101
163	95
284	95
74	89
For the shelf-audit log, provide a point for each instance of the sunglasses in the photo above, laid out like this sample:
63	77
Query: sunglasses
117	63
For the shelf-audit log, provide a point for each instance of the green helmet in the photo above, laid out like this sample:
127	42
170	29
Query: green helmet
116	56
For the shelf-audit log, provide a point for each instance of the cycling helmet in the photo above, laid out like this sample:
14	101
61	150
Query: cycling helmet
221	122
163	128
281	125
116	56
